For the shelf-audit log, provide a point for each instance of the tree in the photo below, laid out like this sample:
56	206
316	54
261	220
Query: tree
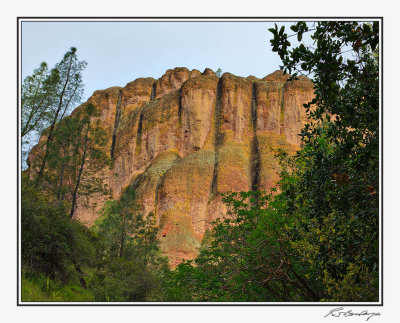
131	267
333	191
92	159
117	224
250	257
51	242
218	72
318	238
125	231
37	98
68	91
76	157
44	232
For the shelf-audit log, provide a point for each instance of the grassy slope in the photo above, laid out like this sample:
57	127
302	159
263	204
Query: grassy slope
42	289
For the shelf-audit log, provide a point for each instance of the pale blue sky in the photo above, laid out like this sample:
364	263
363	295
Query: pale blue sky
119	52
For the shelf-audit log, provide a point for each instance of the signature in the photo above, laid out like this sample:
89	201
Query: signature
340	312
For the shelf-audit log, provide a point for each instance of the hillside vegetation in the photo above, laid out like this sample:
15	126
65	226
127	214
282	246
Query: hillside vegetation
205	188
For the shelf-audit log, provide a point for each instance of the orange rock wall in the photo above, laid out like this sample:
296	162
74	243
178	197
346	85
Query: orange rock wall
185	138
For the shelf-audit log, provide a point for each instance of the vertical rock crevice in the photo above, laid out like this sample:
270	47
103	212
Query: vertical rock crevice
158	187
180	108
139	132
255	159
218	138
170	79
116	123
153	92
282	92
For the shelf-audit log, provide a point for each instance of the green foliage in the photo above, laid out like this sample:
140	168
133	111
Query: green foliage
119	260
45	232
317	240
70	86
38	288
124	230
38	92
75	155
126	280
48	96
187	283
65	93
37	99
333	191
219	72
337	228
249	259
130	266
51	242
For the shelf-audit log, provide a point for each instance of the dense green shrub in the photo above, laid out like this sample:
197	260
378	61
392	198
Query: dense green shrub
130	266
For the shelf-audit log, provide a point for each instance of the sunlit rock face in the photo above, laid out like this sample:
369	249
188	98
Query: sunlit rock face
186	138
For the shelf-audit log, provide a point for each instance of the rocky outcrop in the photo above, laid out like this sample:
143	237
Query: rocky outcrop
186	138
172	80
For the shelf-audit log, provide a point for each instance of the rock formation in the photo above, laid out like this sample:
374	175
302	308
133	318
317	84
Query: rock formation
185	138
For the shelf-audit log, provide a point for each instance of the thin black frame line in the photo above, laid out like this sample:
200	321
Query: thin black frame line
18	166
19	20
180	21
204	304
199	17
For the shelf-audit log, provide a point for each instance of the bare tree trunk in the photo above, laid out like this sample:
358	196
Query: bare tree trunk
312	294
78	269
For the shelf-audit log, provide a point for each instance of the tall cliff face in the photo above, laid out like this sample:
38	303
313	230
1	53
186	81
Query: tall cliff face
185	138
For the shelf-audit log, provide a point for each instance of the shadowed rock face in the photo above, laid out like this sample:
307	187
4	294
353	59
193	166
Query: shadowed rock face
185	138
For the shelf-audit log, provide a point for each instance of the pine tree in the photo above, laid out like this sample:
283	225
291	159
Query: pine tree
37	100
76	156
68	91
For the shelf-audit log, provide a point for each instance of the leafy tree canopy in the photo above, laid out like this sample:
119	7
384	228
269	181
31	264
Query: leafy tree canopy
318	238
